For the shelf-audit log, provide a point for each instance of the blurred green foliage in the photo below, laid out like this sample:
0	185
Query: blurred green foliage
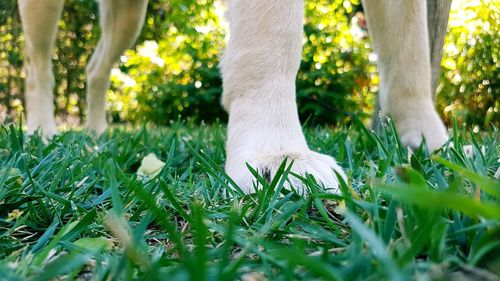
470	82
173	70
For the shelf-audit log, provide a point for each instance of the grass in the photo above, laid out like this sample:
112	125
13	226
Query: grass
74	208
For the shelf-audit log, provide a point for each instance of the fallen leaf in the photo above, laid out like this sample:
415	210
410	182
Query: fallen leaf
150	166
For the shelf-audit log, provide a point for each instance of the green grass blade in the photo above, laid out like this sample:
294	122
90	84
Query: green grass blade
489	186
442	199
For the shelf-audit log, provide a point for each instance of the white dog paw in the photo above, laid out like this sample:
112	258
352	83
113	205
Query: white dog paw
412	129
320	166
45	125
97	125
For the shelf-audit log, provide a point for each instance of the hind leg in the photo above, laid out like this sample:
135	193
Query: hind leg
401	41
39	20
121	22
259	68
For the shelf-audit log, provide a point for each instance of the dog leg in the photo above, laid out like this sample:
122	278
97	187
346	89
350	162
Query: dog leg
401	41
39	19
121	22
259	68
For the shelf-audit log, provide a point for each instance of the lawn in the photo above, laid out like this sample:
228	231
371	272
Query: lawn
75	208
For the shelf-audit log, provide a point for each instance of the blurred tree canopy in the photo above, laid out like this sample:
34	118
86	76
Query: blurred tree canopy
173	70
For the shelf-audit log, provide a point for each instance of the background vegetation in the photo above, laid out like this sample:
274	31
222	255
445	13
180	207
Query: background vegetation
173	70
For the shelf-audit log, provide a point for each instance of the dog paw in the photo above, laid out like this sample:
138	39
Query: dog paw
320	166
413	129
96	125
45	125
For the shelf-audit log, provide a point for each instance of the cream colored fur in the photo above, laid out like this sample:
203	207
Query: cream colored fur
121	22
400	38
259	68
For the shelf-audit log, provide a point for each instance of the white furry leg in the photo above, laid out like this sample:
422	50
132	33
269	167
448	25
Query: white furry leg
259	68
39	19
121	23
401	41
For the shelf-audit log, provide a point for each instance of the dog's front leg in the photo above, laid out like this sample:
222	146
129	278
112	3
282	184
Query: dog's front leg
259	69
401	41
39	20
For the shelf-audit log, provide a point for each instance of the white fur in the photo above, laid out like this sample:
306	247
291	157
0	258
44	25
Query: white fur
40	25
259	68
121	22
400	38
